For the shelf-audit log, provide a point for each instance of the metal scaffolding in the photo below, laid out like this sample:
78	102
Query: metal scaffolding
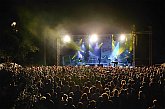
58	51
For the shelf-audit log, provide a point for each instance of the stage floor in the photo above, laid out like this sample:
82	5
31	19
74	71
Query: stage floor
104	64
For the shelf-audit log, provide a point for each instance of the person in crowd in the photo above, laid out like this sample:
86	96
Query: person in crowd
106	103
77	94
155	105
79	105
70	104
84	99
92	105
115	98
64	101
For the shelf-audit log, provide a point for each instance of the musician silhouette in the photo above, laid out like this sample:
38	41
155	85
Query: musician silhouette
115	62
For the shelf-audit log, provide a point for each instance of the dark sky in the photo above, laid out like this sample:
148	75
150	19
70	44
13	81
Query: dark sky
88	16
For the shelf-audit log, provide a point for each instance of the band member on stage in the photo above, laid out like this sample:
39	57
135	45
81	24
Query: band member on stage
99	61
115	62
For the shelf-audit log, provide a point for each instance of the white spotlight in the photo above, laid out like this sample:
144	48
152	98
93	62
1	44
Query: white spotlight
93	38
66	39
13	24
122	37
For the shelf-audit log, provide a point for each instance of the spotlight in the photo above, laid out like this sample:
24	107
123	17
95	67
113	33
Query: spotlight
93	38
122	37
13	24
66	39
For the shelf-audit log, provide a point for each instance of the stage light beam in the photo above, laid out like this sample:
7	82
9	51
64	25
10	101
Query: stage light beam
100	45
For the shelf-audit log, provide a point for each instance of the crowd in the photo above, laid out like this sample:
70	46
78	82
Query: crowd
82	87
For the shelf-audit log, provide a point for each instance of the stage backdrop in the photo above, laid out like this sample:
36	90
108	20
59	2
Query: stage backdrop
106	49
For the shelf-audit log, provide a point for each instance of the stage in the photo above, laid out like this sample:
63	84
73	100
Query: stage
110	50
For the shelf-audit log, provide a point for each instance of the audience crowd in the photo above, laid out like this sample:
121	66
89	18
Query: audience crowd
81	87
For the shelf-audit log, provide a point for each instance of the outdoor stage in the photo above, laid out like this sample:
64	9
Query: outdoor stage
109	50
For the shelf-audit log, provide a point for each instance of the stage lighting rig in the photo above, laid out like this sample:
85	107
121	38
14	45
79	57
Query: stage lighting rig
66	39
93	38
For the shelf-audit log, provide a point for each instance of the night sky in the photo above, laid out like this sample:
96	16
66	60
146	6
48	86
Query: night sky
88	16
